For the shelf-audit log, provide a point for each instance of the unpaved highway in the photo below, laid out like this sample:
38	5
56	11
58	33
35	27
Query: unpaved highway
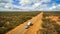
37	20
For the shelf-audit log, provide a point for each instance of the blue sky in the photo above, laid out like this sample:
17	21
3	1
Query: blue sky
30	5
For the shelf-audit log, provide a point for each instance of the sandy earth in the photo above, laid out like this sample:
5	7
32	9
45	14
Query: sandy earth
32	30
55	18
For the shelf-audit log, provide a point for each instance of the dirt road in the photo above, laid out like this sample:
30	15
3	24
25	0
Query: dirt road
32	30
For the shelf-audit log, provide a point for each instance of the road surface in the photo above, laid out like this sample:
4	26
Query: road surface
37	20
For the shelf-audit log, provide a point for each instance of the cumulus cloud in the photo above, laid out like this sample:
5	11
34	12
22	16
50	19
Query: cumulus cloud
28	5
5	1
53	7
45	0
23	2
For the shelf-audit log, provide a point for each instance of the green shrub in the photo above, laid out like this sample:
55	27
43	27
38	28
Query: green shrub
45	19
14	19
46	31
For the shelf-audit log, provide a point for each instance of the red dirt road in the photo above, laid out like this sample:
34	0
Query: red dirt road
37	20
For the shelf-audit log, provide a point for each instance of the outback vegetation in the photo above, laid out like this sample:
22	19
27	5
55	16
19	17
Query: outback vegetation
50	26
9	20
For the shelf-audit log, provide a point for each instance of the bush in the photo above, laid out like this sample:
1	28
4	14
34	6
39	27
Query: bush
49	26
45	19
46	31
10	20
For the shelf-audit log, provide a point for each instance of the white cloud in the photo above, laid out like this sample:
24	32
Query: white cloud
6	1
8	6
38	6
53	7
45	0
24	2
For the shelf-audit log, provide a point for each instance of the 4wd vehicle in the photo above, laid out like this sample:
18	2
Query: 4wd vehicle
28	25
